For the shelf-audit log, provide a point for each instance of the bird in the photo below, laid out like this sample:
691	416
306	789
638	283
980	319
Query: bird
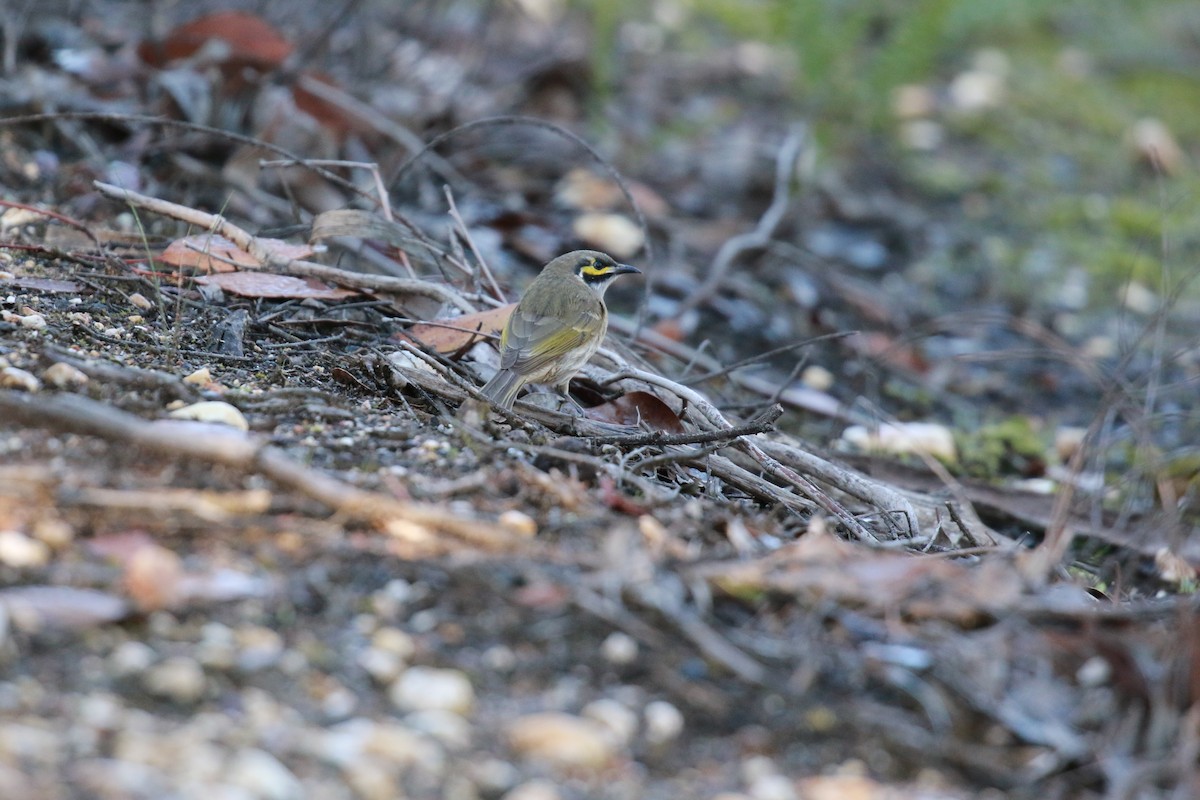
557	325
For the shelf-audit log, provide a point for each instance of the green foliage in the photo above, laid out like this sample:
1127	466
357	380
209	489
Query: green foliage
1003	448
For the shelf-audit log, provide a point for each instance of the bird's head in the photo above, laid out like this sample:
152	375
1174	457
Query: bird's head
595	269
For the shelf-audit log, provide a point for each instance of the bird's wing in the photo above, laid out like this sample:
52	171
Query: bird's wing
531	343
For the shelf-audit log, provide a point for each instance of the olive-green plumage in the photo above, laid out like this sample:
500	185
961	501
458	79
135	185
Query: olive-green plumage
557	326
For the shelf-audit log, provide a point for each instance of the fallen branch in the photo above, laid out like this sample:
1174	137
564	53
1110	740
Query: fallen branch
761	424
416	521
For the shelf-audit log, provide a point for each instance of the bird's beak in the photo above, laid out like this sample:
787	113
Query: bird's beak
625	269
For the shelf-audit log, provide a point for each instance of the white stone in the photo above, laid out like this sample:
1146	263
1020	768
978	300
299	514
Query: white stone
62	375
178	679
431	689
619	721
533	790
264	776
561	740
619	648
664	722
18	550
213	411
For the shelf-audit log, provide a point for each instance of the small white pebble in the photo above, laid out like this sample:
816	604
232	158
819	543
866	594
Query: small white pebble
383	666
772	787
620	721
139	300
533	790
431	689
61	375
264	776
213	411
14	378
619	648
518	523
178	679
561	740
664	722
18	550
128	658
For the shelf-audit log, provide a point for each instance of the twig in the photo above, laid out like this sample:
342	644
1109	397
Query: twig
77	414
761	424
466	234
534	122
385	203
713	417
785	166
272	262
754	359
368	115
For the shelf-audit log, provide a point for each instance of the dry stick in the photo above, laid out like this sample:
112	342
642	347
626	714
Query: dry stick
385	203
466	234
760	237
272	262
761	424
352	106
758	357
77	414
717	421
795	397
534	122
736	475
695	629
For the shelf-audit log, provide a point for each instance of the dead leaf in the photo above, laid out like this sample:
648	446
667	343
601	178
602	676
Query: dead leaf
452	335
637	409
210	252
269	285
249	40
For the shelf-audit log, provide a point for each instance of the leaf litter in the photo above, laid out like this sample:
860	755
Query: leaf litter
820	629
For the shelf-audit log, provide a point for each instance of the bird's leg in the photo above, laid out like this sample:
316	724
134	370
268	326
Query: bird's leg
564	390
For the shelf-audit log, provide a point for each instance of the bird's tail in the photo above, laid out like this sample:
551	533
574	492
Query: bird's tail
503	387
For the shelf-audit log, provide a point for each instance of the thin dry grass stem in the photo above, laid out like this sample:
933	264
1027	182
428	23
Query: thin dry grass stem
385	203
535	122
791	396
764	423
465	233
353	107
272	262
688	623
757	239
760	357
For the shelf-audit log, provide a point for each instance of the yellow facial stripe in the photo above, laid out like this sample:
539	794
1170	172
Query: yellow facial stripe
593	271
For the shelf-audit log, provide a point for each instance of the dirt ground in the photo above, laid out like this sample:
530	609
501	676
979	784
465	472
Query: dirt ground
258	541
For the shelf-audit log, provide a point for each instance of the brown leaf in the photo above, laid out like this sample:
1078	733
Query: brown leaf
209	252
452	335
638	408
266	284
251	41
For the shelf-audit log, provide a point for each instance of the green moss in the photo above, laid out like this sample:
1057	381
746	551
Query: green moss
1009	447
